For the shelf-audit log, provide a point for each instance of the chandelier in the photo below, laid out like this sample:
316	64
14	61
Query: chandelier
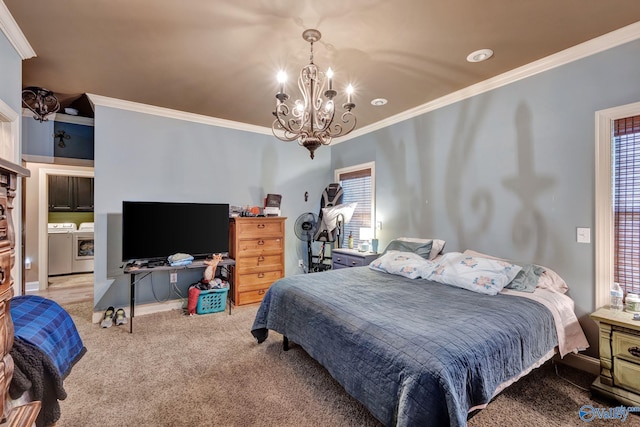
310	120
41	102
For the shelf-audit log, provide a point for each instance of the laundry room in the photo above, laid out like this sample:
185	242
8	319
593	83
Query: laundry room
58	203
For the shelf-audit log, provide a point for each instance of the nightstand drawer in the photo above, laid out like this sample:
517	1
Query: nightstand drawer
348	260
626	375
342	258
626	346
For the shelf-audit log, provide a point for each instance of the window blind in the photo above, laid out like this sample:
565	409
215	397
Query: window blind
626	203
356	187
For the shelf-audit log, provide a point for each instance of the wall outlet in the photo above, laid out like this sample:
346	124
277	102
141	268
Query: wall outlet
173	277
300	263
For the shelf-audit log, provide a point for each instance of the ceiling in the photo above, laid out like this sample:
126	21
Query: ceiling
220	58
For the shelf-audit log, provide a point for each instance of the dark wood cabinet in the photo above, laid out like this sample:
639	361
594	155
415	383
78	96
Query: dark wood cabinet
70	194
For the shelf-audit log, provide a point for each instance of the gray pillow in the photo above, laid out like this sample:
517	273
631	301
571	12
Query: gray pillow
527	279
423	248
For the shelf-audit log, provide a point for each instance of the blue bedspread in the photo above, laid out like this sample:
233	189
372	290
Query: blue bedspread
414	352
44	324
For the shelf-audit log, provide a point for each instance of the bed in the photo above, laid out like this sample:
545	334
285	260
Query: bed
415	351
46	347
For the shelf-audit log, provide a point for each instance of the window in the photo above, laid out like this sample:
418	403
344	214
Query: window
626	203
358	185
604	209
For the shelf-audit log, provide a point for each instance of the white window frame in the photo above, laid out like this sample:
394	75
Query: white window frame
361	166
604	199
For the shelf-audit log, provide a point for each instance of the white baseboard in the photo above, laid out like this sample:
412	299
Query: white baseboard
579	361
32	286
144	309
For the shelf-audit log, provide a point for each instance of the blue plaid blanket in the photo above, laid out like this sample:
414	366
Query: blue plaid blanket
44	324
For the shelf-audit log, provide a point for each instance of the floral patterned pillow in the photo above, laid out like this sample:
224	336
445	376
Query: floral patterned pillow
407	264
482	275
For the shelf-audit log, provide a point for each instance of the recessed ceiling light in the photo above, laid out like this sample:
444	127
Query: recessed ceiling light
378	102
480	55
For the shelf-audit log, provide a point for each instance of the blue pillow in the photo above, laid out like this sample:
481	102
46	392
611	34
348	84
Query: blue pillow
527	279
420	248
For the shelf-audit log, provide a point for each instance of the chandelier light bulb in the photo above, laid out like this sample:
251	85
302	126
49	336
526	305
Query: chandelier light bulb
349	93
329	76
282	78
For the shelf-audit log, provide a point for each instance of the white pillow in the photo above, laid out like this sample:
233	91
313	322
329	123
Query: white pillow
436	245
482	275
405	264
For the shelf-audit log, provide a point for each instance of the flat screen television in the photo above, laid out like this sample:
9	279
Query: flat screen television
156	230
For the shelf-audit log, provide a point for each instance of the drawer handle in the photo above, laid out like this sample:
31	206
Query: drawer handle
261	226
260	258
353	263
2	213
338	259
261	291
635	351
2	275
260	242
260	275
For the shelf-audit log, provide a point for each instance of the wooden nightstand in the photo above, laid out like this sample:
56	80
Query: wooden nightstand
343	258
619	356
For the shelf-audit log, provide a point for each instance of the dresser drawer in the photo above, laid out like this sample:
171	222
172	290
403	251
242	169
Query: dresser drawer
260	280
626	346
626	375
257	263
259	229
251	297
274	244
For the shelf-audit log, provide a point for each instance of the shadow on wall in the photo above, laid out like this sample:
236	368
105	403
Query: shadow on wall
458	166
407	212
529	230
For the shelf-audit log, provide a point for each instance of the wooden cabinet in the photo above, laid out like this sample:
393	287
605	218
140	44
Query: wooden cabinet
343	258
26	414
70	194
257	246
619	356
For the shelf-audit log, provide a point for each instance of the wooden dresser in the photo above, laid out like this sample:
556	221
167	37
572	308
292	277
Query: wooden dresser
257	246
619	356
26	414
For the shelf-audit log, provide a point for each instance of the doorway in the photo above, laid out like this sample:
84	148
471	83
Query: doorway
65	286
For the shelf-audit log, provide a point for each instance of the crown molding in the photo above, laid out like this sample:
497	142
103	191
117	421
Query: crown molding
591	47
16	37
105	101
59	117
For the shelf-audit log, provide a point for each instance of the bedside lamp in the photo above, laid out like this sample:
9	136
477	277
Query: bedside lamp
366	234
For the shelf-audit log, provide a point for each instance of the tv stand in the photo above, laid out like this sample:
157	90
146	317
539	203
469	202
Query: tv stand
138	268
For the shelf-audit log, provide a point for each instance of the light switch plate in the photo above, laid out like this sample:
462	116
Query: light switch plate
583	235
173	277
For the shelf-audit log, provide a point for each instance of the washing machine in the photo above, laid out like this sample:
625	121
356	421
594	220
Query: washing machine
82	261
61	237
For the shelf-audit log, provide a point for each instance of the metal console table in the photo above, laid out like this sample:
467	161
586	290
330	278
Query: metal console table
134	271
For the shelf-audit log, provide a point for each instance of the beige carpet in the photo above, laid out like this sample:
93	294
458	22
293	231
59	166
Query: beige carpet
207	370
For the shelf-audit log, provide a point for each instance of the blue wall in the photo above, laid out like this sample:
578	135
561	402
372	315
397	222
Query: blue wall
10	76
509	172
151	158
